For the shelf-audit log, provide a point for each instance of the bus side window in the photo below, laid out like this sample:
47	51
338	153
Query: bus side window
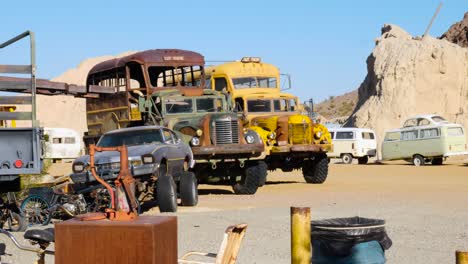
220	84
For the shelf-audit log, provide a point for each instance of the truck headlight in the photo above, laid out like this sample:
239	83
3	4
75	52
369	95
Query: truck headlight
78	167
195	141
199	132
272	135
250	139
147	159
318	134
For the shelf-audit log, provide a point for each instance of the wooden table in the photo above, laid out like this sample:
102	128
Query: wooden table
148	239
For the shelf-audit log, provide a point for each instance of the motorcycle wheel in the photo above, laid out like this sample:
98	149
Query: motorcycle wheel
36	210
16	222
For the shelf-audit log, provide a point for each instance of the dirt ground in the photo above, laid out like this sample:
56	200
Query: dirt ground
426	209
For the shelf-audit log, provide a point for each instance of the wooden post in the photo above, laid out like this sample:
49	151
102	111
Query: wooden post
301	250
461	257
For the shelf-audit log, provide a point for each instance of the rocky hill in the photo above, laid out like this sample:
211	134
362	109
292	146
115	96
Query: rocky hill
458	32
338	107
409	76
67	111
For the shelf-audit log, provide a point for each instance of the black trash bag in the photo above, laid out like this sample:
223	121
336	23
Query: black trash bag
339	235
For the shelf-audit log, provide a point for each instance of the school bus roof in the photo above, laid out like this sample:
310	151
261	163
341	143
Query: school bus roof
155	57
238	68
269	96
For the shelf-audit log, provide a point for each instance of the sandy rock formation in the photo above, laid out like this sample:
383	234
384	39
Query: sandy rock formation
458	32
67	111
407	76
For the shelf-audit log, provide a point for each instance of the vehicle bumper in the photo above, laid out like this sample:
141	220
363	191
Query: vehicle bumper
137	171
303	148
450	154
228	149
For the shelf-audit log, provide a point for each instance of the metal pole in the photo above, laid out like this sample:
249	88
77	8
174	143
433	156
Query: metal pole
432	20
33	76
461	257
301	250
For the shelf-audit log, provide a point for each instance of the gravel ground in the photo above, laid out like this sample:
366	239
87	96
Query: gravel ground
426	210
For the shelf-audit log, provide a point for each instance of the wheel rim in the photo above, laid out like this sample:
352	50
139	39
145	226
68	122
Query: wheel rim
346	159
417	161
36	211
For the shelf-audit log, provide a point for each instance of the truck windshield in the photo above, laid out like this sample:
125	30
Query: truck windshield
254	82
259	106
178	106
209	105
131	138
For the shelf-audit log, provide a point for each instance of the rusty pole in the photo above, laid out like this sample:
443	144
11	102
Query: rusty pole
301	250
461	257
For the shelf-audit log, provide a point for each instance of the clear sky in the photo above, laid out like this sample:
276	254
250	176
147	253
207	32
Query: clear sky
322	44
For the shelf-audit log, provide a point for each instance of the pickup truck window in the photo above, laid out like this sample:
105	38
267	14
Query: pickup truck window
131	138
177	106
209	105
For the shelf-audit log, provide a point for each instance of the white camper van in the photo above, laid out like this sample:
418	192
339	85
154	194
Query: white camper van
425	138
62	143
350	142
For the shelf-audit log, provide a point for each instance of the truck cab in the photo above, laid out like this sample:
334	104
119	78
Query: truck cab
222	147
292	139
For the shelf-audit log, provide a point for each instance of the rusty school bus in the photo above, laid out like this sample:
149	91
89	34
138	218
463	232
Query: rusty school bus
292	140
118	84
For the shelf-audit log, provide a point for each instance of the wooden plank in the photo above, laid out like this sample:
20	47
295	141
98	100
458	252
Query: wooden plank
15	115
15	85
75	89
15	69
45	84
27	100
101	89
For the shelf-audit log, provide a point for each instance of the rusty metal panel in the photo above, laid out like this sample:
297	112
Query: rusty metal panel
102	89
17	100
15	69
15	115
160	57
148	239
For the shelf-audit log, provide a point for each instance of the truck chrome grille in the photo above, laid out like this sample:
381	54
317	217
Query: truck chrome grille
225	132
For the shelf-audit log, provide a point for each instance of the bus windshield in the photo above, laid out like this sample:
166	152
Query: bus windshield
254	82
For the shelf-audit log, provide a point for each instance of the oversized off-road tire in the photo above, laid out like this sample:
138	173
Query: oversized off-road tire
347	158
166	194
437	161
254	175
188	189
316	171
16	222
363	160
418	160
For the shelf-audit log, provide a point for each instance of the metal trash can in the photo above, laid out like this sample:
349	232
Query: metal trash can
353	240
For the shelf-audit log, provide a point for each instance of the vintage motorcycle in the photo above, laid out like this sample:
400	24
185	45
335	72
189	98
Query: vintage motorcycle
64	200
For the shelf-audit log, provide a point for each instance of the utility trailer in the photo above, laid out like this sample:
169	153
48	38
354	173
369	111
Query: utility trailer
20	148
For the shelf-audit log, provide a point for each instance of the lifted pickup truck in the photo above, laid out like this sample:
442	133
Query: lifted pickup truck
20	147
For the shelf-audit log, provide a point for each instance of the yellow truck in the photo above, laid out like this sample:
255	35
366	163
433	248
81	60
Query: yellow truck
292	139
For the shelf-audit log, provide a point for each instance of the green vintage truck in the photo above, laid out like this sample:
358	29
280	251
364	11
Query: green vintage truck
224	150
